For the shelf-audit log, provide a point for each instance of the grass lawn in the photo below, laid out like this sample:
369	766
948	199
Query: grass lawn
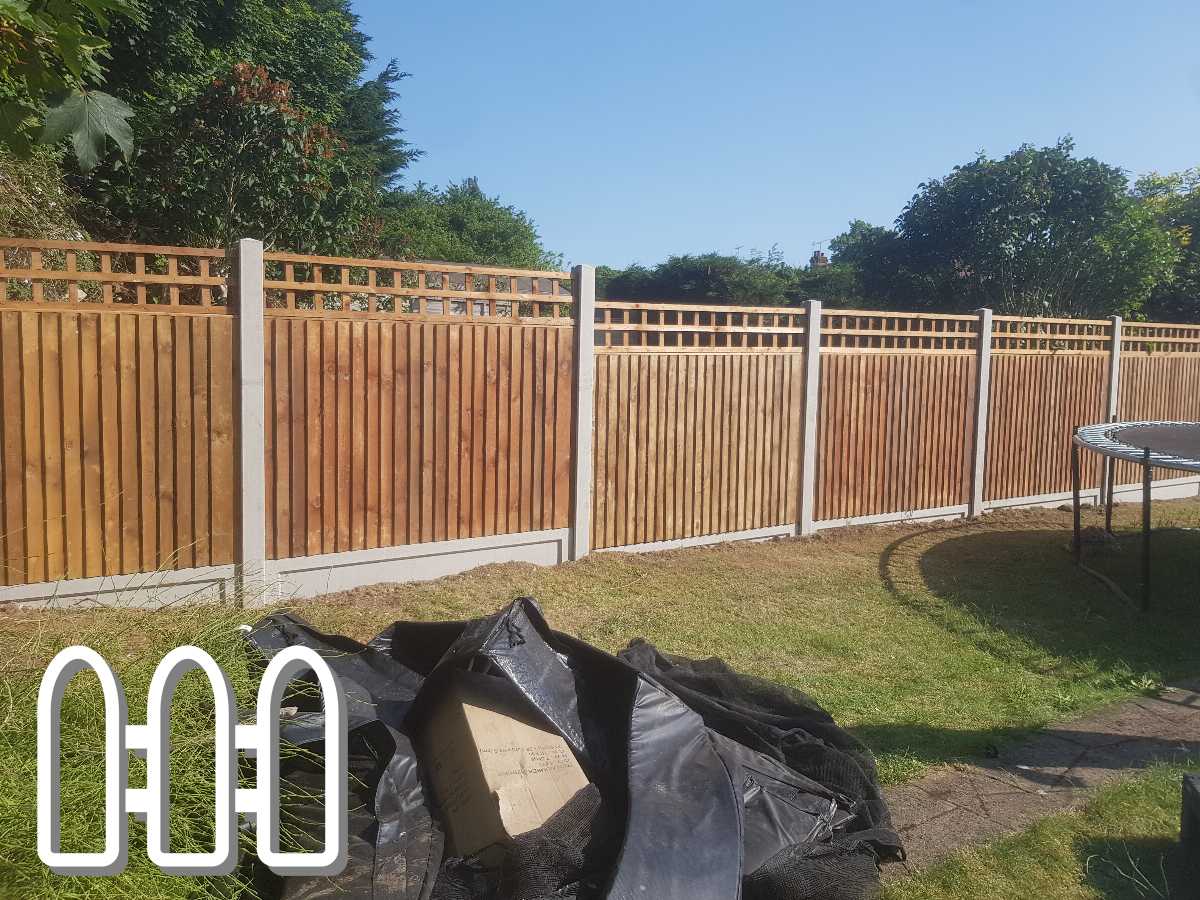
932	642
1122	846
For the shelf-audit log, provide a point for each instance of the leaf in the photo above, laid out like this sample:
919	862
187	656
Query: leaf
15	121
89	119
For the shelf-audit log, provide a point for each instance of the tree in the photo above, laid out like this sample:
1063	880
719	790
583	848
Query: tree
243	159
756	279
1174	200
460	224
1038	232
872	257
51	60
308	170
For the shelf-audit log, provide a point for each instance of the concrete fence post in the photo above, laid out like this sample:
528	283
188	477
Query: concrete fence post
583	290
246	294
1112	401
812	393
983	381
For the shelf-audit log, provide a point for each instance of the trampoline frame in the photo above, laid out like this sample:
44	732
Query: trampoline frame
1099	439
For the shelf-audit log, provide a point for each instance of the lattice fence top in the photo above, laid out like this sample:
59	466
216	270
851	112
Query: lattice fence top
120	276
37	274
326	286
898	331
1015	334
667	326
1159	338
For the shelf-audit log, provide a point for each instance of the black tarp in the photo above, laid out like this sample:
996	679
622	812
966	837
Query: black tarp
707	783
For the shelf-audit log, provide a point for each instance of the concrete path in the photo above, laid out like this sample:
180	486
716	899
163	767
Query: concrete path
963	805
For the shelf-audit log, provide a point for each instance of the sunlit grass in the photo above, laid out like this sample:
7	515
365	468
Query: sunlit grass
1122	846
932	643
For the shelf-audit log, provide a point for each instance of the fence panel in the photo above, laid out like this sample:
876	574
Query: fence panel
415	402
1160	379
117	403
403	415
895	412
893	432
694	443
1037	401
698	417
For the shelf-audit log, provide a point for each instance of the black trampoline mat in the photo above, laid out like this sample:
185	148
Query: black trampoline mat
1181	440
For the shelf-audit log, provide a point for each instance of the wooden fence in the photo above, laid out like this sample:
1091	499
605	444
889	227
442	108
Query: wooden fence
413	404
117	403
408	403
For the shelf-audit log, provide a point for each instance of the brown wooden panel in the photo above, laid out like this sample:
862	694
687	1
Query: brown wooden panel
384	432
689	444
893	432
1036	402
1157	386
113	422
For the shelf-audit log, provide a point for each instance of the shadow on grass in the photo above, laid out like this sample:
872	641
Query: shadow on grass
1135	869
1018	597
1025	602
1045	758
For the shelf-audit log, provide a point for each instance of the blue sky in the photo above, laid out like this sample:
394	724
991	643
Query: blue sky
631	131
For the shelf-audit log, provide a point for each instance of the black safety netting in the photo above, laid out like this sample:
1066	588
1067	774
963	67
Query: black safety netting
704	783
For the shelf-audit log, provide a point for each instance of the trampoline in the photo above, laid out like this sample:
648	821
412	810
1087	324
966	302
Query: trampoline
1167	445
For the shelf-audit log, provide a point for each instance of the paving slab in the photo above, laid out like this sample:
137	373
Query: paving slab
1056	770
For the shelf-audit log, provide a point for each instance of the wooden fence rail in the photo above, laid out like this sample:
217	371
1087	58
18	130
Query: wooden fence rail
411	404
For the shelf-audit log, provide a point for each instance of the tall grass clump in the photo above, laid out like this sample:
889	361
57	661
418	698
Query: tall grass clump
132	642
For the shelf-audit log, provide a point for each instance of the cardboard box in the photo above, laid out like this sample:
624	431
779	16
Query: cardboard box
497	771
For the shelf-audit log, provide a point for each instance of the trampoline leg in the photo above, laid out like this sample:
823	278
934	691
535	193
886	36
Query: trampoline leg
1111	466
1146	476
1077	543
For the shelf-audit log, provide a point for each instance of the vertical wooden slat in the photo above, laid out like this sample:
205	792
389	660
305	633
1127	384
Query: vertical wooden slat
358	431
221	448
504	408
184	461
371	391
387	438
97	407
343	538
75	564
280	362
429	425
315	436
481	384
12	427
331	496
52	449
448	385
31	380
491	415
201	399
462	369
163	487
406	484
528	440
298	424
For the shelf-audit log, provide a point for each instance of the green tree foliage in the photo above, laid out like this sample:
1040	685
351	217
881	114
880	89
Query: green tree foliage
460	224
755	279
1039	232
180	48
253	118
1174	200
241	159
52	56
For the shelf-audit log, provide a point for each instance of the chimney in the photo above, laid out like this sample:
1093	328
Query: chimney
818	260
